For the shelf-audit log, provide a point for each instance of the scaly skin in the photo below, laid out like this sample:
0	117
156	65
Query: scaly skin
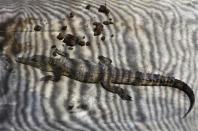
104	73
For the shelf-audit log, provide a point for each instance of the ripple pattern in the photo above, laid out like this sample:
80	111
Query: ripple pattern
148	35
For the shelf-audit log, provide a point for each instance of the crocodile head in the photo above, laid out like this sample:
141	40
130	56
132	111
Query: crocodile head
38	61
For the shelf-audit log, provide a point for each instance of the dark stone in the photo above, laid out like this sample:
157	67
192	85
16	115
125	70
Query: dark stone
88	7
88	43
60	36
70	48
63	28
70	107
84	106
37	28
70	40
103	9
107	22
81	43
96	23
103	38
112	35
71	15
98	28
53	46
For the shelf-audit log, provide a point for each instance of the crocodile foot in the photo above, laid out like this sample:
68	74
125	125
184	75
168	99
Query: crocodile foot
124	95
104	60
54	51
50	78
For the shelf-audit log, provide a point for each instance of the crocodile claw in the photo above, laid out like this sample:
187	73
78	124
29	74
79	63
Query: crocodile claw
124	95
50	78
46	78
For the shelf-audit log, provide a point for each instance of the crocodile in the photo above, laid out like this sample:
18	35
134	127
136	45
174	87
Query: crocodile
102	72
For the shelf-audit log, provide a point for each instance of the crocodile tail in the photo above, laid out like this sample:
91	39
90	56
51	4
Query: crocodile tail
147	79
185	88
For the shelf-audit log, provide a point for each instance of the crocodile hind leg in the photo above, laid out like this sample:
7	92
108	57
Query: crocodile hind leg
104	60
106	82
115	89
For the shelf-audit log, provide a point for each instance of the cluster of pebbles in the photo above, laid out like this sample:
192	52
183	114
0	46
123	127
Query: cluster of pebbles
72	40
98	29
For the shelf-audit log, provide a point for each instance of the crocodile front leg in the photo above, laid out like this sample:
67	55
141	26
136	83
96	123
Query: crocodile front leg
55	77
106	84
54	51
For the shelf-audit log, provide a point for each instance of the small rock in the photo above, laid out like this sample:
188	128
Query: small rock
53	46
96	23
98	28
103	9
112	35
70	40
60	36
88	7
71	15
103	38
81	43
70	48
70	107
88	43
63	28
107	22
37	28
84	106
